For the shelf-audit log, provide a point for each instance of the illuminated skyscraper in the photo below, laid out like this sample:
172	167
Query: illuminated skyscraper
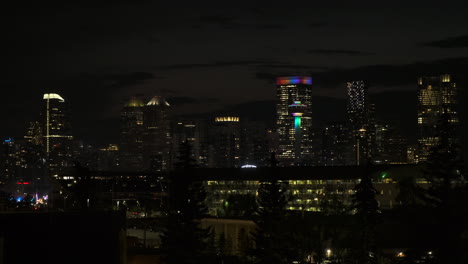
357	104
436	100
156	135
360	112
295	131
56	133
131	135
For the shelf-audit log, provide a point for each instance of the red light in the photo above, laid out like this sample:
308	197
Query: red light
22	183
19	183
25	182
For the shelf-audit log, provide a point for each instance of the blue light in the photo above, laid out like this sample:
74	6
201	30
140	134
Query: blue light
19	199
8	140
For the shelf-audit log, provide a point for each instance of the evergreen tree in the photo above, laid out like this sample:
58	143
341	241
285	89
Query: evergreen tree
184	241
447	194
367	216
270	236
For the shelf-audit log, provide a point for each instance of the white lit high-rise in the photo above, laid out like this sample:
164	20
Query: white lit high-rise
56	133
362	126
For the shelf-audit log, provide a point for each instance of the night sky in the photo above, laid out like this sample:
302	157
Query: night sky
206	58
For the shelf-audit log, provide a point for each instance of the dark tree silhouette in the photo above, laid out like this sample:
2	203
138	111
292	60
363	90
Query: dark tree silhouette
84	192
240	205
410	194
183	240
447	195
367	216
7	201
270	235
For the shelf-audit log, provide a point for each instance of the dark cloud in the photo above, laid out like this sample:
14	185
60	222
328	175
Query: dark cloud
216	19
316	25
218	64
383	75
271	26
293	66
448	43
184	100
339	52
112	81
223	21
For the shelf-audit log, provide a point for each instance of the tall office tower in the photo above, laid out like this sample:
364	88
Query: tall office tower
295	145
156	135
56	133
436	101
360	117
131	136
226	142
337	147
254	144
187	131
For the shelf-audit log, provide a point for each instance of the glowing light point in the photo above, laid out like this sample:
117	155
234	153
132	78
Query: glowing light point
297	122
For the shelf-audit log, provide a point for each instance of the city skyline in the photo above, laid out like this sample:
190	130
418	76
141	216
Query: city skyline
144	51
267	132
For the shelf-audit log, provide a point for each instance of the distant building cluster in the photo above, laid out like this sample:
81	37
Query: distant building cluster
151	136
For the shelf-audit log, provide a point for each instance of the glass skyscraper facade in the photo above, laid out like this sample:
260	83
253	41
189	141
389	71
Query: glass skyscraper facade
436	101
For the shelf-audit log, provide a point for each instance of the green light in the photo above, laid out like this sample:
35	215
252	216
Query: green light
384	175
297	122
226	204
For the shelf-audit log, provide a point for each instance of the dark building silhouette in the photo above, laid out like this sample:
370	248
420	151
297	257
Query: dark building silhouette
131	135
390	146
226	140
254	143
156	135
9	157
190	131
337	146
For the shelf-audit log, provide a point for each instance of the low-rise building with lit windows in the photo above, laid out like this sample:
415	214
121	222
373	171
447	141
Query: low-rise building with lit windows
309	188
